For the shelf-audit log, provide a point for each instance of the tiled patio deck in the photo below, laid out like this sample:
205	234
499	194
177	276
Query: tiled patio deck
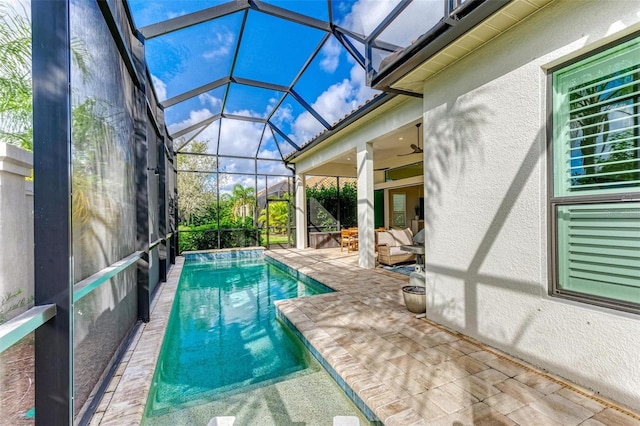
408	371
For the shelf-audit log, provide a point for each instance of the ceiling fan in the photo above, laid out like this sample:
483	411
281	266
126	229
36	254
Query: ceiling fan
416	148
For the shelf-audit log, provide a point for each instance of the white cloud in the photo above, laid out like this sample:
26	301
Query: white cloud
283	114
331	56
416	19
334	104
172	15
359	82
367	14
223	42
195	116
240	137
305	127
207	99
265	152
160	88
272	168
336	101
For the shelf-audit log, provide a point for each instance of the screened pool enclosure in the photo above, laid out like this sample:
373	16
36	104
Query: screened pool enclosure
161	122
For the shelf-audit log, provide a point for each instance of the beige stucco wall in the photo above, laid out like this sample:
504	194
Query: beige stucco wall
486	201
16	228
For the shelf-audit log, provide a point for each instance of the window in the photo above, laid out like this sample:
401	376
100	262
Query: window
399	210
595	200
404	172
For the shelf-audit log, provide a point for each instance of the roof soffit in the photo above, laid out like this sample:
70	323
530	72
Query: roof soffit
499	22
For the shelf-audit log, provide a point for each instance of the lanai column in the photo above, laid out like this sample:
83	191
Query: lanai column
364	165
301	211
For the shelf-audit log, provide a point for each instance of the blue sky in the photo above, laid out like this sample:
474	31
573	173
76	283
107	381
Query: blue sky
272	50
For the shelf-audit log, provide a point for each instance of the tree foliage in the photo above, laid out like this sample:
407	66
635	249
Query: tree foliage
16	91
196	183
15	78
278	214
328	205
243	201
608	152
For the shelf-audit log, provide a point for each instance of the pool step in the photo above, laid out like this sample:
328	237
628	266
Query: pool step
337	421
346	421
222	421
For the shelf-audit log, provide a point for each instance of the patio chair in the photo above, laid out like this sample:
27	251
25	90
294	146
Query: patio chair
353	239
344	239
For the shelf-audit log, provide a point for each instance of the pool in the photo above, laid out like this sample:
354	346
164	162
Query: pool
225	353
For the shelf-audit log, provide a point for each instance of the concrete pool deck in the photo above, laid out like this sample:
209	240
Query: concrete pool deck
408	371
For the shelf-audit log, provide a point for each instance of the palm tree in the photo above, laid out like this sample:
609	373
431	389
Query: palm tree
243	201
15	77
16	91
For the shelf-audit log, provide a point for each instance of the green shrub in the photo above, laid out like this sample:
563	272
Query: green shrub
205	237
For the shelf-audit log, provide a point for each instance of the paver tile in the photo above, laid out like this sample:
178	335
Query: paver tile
519	391
483	356
492	376
592	422
430	356
610	416
450	398
504	403
477	387
506	367
409	371
422	405
473	366
538	382
396	407
403	418
561	409
478	414
464	346
588	403
528	416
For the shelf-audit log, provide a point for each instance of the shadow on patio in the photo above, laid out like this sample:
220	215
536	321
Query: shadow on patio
412	371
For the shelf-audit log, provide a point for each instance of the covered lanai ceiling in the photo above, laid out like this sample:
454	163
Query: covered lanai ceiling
258	79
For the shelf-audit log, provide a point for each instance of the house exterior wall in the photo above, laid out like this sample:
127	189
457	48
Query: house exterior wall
405	113
486	202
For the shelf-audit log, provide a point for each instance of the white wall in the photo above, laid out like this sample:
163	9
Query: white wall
486	201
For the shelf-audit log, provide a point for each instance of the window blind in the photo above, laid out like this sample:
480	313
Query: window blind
599	250
596	107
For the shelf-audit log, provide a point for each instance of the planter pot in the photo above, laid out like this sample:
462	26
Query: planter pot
415	299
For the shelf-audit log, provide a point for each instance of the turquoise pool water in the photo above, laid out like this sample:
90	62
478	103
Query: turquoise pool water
226	354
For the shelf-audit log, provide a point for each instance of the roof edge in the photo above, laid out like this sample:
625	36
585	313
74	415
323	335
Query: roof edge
433	42
363	110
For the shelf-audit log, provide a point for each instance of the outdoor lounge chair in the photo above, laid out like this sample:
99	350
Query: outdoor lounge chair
389	242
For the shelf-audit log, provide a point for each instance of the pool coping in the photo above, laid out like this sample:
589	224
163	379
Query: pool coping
125	399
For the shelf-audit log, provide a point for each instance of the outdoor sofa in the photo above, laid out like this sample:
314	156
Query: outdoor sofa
389	242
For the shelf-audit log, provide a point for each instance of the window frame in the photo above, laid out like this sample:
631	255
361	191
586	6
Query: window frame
555	202
393	209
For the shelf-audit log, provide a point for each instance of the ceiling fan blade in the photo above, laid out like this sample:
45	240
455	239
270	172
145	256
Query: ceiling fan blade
416	148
